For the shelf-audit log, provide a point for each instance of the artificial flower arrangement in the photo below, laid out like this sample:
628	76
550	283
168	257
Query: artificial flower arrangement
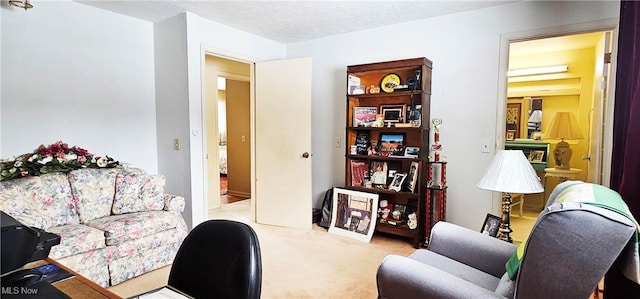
57	157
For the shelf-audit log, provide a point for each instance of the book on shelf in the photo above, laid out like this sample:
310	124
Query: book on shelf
362	142
359	169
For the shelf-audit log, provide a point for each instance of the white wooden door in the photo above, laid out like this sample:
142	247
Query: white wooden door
283	143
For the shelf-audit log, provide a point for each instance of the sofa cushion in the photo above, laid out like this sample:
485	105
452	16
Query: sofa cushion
121	228
40	201
137	191
152	192
76	239
15	202
93	191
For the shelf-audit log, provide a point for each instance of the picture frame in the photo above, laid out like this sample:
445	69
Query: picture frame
354	214
391	143
511	135
411	151
397	182
514	112
536	156
379	170
412	177
364	116
359	170
393	113
357	90
491	225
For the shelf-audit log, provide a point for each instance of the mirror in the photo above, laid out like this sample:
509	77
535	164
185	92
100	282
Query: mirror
534	122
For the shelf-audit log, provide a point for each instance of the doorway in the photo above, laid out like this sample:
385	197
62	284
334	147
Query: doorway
579	86
228	133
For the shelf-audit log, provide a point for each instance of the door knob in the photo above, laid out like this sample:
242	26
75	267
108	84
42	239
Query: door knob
305	155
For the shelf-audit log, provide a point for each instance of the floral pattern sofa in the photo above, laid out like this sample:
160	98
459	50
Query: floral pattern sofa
114	223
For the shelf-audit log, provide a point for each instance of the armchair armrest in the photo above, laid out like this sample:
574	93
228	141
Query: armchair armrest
173	203
402	277
470	247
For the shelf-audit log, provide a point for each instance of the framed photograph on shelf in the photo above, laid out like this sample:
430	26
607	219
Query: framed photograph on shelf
379	174
391	143
396	183
393	113
511	135
536	156
513	119
412	177
411	151
364	116
354	214
359	169
491	225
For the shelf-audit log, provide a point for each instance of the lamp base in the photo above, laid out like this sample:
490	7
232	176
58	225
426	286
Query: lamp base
562	155
505	226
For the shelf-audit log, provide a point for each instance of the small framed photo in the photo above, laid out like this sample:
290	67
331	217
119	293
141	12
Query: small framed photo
491	225
393	113
412	178
391	143
411	151
379	170
536	156
364	116
511	135
356	89
396	183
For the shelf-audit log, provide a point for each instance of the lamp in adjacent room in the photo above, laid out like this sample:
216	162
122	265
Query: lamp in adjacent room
563	126
510	172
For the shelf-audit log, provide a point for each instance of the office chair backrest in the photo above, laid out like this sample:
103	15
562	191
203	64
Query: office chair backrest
219	259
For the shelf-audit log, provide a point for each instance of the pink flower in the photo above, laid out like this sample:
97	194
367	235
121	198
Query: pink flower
82	159
60	154
48	201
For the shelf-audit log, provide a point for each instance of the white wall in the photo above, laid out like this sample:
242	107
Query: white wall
465	50
78	74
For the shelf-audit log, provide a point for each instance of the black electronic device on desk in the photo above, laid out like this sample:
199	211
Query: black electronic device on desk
20	245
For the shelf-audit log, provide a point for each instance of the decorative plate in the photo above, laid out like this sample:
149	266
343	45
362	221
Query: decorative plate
389	82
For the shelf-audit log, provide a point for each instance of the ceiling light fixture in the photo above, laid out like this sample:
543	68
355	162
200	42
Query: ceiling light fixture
538	70
21	3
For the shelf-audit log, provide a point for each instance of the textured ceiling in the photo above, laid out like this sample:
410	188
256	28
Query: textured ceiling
295	21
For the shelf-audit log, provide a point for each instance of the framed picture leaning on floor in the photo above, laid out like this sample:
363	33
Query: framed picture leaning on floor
354	214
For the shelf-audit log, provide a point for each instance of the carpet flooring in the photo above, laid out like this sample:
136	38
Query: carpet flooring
300	263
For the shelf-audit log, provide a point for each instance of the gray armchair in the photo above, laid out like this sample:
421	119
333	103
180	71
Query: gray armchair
569	250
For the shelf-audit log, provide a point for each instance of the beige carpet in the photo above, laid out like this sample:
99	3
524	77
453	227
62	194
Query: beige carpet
300	263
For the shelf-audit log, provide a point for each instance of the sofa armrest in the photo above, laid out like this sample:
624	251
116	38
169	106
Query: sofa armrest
470	247
174	203
403	278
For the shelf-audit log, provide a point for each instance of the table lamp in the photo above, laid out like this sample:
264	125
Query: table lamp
510	172
563	126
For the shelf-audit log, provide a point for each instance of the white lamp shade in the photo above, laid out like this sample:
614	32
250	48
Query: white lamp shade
511	172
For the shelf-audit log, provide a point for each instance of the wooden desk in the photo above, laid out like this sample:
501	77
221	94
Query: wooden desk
78	286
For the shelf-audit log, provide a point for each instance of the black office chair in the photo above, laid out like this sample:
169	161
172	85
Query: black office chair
219	259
